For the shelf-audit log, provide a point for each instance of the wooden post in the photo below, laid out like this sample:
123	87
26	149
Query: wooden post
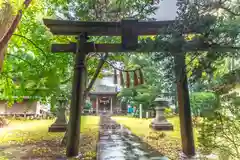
147	115
77	98
140	111
120	104
184	106
111	106
97	103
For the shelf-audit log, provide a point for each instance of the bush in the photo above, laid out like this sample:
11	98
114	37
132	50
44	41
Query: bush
219	133
88	105
168	112
203	103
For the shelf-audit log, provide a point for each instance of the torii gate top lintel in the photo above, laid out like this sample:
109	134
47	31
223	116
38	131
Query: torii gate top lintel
128	29
67	27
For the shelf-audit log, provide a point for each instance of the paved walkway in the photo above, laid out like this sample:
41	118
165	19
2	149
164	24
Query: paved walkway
117	143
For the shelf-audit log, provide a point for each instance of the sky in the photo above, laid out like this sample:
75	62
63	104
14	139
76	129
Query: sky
167	10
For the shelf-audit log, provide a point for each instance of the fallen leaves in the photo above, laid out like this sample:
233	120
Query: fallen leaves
167	143
31	140
169	147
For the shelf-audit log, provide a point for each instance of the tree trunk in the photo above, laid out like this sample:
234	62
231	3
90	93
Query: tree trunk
6	19
98	70
8	33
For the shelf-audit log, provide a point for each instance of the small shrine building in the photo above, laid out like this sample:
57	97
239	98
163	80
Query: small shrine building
104	95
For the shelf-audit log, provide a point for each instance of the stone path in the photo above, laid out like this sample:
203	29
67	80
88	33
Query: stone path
117	143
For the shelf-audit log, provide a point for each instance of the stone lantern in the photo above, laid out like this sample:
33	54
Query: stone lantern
60	125
160	122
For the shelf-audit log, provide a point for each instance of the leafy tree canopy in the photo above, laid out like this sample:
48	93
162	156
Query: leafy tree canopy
30	69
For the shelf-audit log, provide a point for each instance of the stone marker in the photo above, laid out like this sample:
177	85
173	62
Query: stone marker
60	125
140	111
160	122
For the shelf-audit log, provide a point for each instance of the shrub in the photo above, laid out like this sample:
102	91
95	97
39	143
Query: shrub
202	103
168	112
88	105
220	133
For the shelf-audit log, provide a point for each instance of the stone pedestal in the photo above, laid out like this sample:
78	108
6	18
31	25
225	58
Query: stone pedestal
60	125
160	122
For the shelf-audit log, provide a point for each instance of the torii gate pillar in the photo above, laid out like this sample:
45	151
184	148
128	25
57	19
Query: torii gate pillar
188	147
77	98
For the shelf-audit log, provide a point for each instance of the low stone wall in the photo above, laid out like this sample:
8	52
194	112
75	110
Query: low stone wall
26	116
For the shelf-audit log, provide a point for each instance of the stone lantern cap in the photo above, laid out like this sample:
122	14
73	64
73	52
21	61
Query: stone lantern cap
161	102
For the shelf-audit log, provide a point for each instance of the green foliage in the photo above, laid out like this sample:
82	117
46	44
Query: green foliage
168	112
138	95
142	97
154	83
236	101
126	92
215	38
30	69
219	133
99	10
88	105
203	103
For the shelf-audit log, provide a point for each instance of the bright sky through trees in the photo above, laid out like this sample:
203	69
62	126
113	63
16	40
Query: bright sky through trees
167	10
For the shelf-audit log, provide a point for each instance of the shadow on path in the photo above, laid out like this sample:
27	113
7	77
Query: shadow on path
118	143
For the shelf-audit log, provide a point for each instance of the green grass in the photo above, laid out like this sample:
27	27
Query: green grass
167	142
20	131
141	127
31	139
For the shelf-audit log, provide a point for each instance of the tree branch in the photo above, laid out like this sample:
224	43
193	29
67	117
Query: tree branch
119	69
35	45
221	5
29	40
18	57
230	11
66	81
100	64
122	70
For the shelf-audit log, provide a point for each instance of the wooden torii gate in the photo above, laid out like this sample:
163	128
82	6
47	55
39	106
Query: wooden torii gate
129	30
